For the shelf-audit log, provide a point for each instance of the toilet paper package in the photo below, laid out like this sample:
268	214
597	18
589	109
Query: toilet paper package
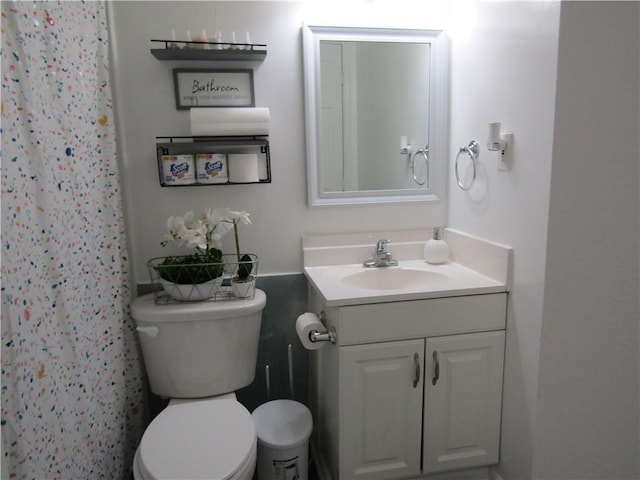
178	169
305	324
211	168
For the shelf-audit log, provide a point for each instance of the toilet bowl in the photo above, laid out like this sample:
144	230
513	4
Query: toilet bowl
211	438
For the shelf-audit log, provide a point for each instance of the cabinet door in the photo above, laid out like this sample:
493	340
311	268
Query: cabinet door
381	392
463	397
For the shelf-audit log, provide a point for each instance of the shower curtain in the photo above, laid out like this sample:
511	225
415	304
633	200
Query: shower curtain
72	389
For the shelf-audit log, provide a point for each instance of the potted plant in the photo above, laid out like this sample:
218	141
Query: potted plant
197	276
243	281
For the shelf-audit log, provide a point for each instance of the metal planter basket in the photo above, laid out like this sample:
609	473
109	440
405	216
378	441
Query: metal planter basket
195	282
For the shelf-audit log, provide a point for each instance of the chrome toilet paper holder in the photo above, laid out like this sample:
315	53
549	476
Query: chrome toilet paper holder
328	336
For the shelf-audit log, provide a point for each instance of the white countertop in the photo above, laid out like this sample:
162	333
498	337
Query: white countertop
457	280
475	267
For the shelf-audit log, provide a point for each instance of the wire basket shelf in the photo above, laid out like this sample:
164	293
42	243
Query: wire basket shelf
229	279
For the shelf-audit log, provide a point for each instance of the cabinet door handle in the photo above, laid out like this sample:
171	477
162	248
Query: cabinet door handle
436	374
416	379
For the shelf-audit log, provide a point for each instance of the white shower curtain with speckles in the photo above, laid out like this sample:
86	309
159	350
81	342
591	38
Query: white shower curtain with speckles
72	388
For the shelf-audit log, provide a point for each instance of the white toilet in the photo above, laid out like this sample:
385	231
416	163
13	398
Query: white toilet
197	354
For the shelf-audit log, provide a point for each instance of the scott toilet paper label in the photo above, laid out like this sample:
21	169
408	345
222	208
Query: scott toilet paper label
211	168
178	169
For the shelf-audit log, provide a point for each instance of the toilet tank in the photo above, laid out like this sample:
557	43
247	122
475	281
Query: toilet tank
199	349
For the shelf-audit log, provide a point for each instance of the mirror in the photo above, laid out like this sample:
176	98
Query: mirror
376	114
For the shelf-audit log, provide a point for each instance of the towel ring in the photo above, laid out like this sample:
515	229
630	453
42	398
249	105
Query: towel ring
425	154
472	151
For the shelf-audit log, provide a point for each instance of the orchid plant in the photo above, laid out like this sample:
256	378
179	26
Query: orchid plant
245	263
203	233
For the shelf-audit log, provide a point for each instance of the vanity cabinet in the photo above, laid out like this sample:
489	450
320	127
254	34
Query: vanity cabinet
412	388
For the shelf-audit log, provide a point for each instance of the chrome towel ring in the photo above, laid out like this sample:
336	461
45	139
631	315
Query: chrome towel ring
425	154
472	150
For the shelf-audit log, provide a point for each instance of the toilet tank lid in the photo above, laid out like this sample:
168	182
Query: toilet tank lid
144	308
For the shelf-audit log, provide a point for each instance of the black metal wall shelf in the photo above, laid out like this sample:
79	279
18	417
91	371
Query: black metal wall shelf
192	146
183	50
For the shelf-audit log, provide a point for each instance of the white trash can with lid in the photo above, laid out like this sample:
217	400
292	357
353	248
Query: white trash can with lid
283	428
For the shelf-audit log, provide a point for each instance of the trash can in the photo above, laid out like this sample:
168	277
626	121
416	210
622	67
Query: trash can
283	428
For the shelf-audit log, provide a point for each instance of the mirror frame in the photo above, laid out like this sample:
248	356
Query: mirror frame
438	113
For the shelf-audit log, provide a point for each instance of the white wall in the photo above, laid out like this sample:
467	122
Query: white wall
514	83
588	408
504	69
146	109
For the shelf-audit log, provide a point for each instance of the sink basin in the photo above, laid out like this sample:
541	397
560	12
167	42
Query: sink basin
392	278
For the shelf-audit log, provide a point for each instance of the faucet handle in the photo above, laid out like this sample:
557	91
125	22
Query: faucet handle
381	245
382	257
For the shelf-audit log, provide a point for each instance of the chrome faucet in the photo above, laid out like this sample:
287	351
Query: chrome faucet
382	257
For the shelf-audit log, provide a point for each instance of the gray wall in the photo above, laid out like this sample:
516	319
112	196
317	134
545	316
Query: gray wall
286	300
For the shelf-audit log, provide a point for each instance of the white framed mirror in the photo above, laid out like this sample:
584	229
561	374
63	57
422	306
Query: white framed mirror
376	110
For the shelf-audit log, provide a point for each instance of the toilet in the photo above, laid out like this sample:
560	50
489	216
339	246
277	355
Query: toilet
197	354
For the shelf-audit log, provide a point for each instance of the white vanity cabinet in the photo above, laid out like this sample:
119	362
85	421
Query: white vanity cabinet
411	387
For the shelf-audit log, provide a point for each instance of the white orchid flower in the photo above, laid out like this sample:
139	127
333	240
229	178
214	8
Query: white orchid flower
205	231
214	217
216	240
191	221
241	216
175	224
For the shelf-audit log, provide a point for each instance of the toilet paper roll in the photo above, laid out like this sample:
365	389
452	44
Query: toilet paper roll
305	324
243	167
229	121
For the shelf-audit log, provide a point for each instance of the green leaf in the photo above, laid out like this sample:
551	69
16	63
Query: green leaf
192	269
245	266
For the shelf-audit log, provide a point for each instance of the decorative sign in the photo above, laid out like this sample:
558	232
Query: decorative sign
213	88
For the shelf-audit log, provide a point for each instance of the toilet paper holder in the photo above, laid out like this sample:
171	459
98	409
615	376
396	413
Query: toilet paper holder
328	336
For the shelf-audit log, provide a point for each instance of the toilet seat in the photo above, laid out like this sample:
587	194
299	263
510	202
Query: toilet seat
210	438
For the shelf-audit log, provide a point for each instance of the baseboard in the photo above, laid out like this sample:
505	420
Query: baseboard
321	467
478	473
493	474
